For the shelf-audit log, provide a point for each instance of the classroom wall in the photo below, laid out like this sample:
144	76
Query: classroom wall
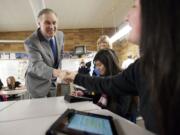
125	49
72	37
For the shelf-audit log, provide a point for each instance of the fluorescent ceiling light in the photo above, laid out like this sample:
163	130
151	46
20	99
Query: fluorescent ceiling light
121	33
11	41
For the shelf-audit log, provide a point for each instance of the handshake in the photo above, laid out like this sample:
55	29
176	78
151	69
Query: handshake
66	76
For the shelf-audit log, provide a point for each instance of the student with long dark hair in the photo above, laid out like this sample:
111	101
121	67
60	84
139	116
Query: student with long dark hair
107	64
155	76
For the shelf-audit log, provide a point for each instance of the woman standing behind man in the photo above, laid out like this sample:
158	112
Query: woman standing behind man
103	42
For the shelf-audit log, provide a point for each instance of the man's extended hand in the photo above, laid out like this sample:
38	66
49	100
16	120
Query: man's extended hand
67	76
56	72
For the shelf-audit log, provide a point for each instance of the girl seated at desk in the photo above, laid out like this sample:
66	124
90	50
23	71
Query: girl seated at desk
12	84
107	63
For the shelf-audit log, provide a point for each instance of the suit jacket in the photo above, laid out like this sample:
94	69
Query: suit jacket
39	76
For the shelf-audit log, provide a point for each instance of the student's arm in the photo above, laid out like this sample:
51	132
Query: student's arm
124	83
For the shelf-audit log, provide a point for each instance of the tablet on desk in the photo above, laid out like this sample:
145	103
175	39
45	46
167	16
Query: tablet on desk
73	99
74	122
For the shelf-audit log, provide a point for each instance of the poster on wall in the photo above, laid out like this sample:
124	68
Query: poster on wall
10	55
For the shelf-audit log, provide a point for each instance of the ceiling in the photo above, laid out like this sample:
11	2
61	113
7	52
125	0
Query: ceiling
19	15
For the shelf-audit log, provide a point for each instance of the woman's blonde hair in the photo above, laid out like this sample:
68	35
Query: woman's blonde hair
104	39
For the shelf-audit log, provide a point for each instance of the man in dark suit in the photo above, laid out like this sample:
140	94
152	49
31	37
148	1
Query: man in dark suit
45	51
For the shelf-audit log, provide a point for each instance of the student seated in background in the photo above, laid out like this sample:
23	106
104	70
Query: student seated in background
12	84
107	63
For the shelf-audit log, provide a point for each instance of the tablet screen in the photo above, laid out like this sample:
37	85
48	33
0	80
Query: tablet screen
90	124
73	122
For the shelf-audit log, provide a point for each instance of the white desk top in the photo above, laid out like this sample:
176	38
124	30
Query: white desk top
12	92
4	105
39	126
25	109
34	117
36	126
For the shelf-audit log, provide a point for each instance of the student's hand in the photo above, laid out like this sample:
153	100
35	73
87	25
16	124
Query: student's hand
77	93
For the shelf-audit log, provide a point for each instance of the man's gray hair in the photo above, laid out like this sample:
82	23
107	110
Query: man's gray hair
46	11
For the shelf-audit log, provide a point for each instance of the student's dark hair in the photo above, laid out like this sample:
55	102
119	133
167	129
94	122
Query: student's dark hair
160	54
46	11
109	59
